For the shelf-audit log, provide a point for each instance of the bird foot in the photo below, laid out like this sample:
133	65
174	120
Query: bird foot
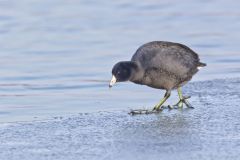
183	101
157	108
146	111
143	111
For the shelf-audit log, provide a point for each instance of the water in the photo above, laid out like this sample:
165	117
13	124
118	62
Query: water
56	58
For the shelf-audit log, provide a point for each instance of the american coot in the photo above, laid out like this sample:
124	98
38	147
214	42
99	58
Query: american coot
161	65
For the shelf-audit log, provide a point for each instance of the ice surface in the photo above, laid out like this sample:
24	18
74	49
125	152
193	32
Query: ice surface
210	131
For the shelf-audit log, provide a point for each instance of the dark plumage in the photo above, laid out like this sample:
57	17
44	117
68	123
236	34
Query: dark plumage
159	64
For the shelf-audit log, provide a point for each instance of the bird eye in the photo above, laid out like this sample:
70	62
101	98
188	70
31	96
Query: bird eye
118	72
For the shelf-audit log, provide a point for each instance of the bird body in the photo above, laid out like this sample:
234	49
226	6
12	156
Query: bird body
165	65
161	65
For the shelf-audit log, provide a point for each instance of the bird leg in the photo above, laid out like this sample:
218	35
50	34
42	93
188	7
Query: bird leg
182	100
159	106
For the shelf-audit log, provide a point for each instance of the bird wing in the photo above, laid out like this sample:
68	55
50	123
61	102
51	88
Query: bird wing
174	58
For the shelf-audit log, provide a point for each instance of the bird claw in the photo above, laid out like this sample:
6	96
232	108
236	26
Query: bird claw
170	107
184	101
145	111
186	97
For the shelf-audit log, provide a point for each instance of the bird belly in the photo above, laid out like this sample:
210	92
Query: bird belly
160	80
163	83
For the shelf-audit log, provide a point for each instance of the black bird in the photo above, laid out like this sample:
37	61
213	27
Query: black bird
161	65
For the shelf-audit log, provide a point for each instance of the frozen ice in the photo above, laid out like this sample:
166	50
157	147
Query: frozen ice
210	131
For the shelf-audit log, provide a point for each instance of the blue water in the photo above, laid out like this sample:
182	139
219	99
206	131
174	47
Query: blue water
56	56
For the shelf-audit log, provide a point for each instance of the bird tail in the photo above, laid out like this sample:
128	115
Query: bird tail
200	65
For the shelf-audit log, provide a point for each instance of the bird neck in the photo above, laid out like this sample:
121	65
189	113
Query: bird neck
136	73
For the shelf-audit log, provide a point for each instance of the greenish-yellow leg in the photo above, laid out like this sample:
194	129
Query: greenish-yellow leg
182	100
159	105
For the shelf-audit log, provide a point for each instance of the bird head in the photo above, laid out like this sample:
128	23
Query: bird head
122	71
